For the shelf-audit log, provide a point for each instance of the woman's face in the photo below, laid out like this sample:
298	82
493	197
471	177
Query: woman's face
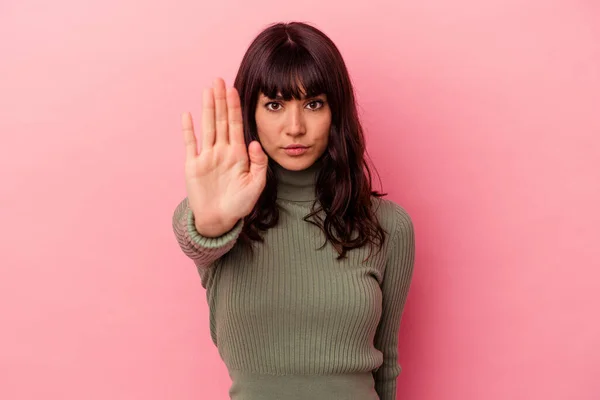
303	123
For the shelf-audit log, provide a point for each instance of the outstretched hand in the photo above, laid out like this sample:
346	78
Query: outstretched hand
224	179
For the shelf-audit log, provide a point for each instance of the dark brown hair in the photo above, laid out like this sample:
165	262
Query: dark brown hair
294	59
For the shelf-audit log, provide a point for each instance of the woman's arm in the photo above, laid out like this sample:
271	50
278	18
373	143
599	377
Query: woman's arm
202	250
395	286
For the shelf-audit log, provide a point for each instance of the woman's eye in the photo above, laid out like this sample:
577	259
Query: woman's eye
270	108
315	105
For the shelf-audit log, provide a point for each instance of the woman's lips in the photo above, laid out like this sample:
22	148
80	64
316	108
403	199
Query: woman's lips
295	150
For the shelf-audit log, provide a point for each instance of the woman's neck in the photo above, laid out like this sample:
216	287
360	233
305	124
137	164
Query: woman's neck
297	186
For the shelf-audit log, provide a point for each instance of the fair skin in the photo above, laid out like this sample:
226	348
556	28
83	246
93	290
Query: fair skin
281	123
224	178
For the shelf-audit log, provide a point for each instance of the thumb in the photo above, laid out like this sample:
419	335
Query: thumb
258	159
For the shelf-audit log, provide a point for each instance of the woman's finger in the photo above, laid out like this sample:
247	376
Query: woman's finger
189	138
221	111
234	111
208	118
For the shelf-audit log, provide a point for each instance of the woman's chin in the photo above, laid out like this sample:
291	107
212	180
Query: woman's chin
294	163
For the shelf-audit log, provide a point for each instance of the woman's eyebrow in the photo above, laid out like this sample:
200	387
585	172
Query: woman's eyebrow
304	97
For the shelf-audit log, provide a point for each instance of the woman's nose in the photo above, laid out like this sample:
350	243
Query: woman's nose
295	122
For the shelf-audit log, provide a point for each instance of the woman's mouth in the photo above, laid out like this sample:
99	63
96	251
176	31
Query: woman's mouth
295	149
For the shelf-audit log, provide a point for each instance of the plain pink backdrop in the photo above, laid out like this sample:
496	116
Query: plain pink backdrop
482	119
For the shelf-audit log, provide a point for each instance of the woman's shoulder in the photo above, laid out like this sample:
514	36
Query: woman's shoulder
392	216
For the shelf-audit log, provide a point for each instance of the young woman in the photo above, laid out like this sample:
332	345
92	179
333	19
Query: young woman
306	269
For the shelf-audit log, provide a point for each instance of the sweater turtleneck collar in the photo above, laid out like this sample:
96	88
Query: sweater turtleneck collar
297	186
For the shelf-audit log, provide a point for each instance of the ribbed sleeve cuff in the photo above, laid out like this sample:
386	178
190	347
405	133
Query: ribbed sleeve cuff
200	242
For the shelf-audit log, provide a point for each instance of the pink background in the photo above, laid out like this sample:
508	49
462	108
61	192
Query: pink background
482	118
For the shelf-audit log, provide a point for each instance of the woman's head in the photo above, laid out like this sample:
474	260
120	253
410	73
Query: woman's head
295	90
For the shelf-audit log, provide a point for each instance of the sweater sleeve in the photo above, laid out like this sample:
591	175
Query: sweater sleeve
202	250
395	286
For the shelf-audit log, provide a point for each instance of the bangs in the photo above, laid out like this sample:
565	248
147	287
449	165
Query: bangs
292	72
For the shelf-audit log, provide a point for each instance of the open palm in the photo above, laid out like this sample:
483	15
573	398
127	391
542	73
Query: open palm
224	179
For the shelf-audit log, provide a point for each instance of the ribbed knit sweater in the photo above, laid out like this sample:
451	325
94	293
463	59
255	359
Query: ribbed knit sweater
292	322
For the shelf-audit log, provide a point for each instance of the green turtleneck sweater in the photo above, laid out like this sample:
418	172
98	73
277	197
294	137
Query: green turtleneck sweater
292	322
